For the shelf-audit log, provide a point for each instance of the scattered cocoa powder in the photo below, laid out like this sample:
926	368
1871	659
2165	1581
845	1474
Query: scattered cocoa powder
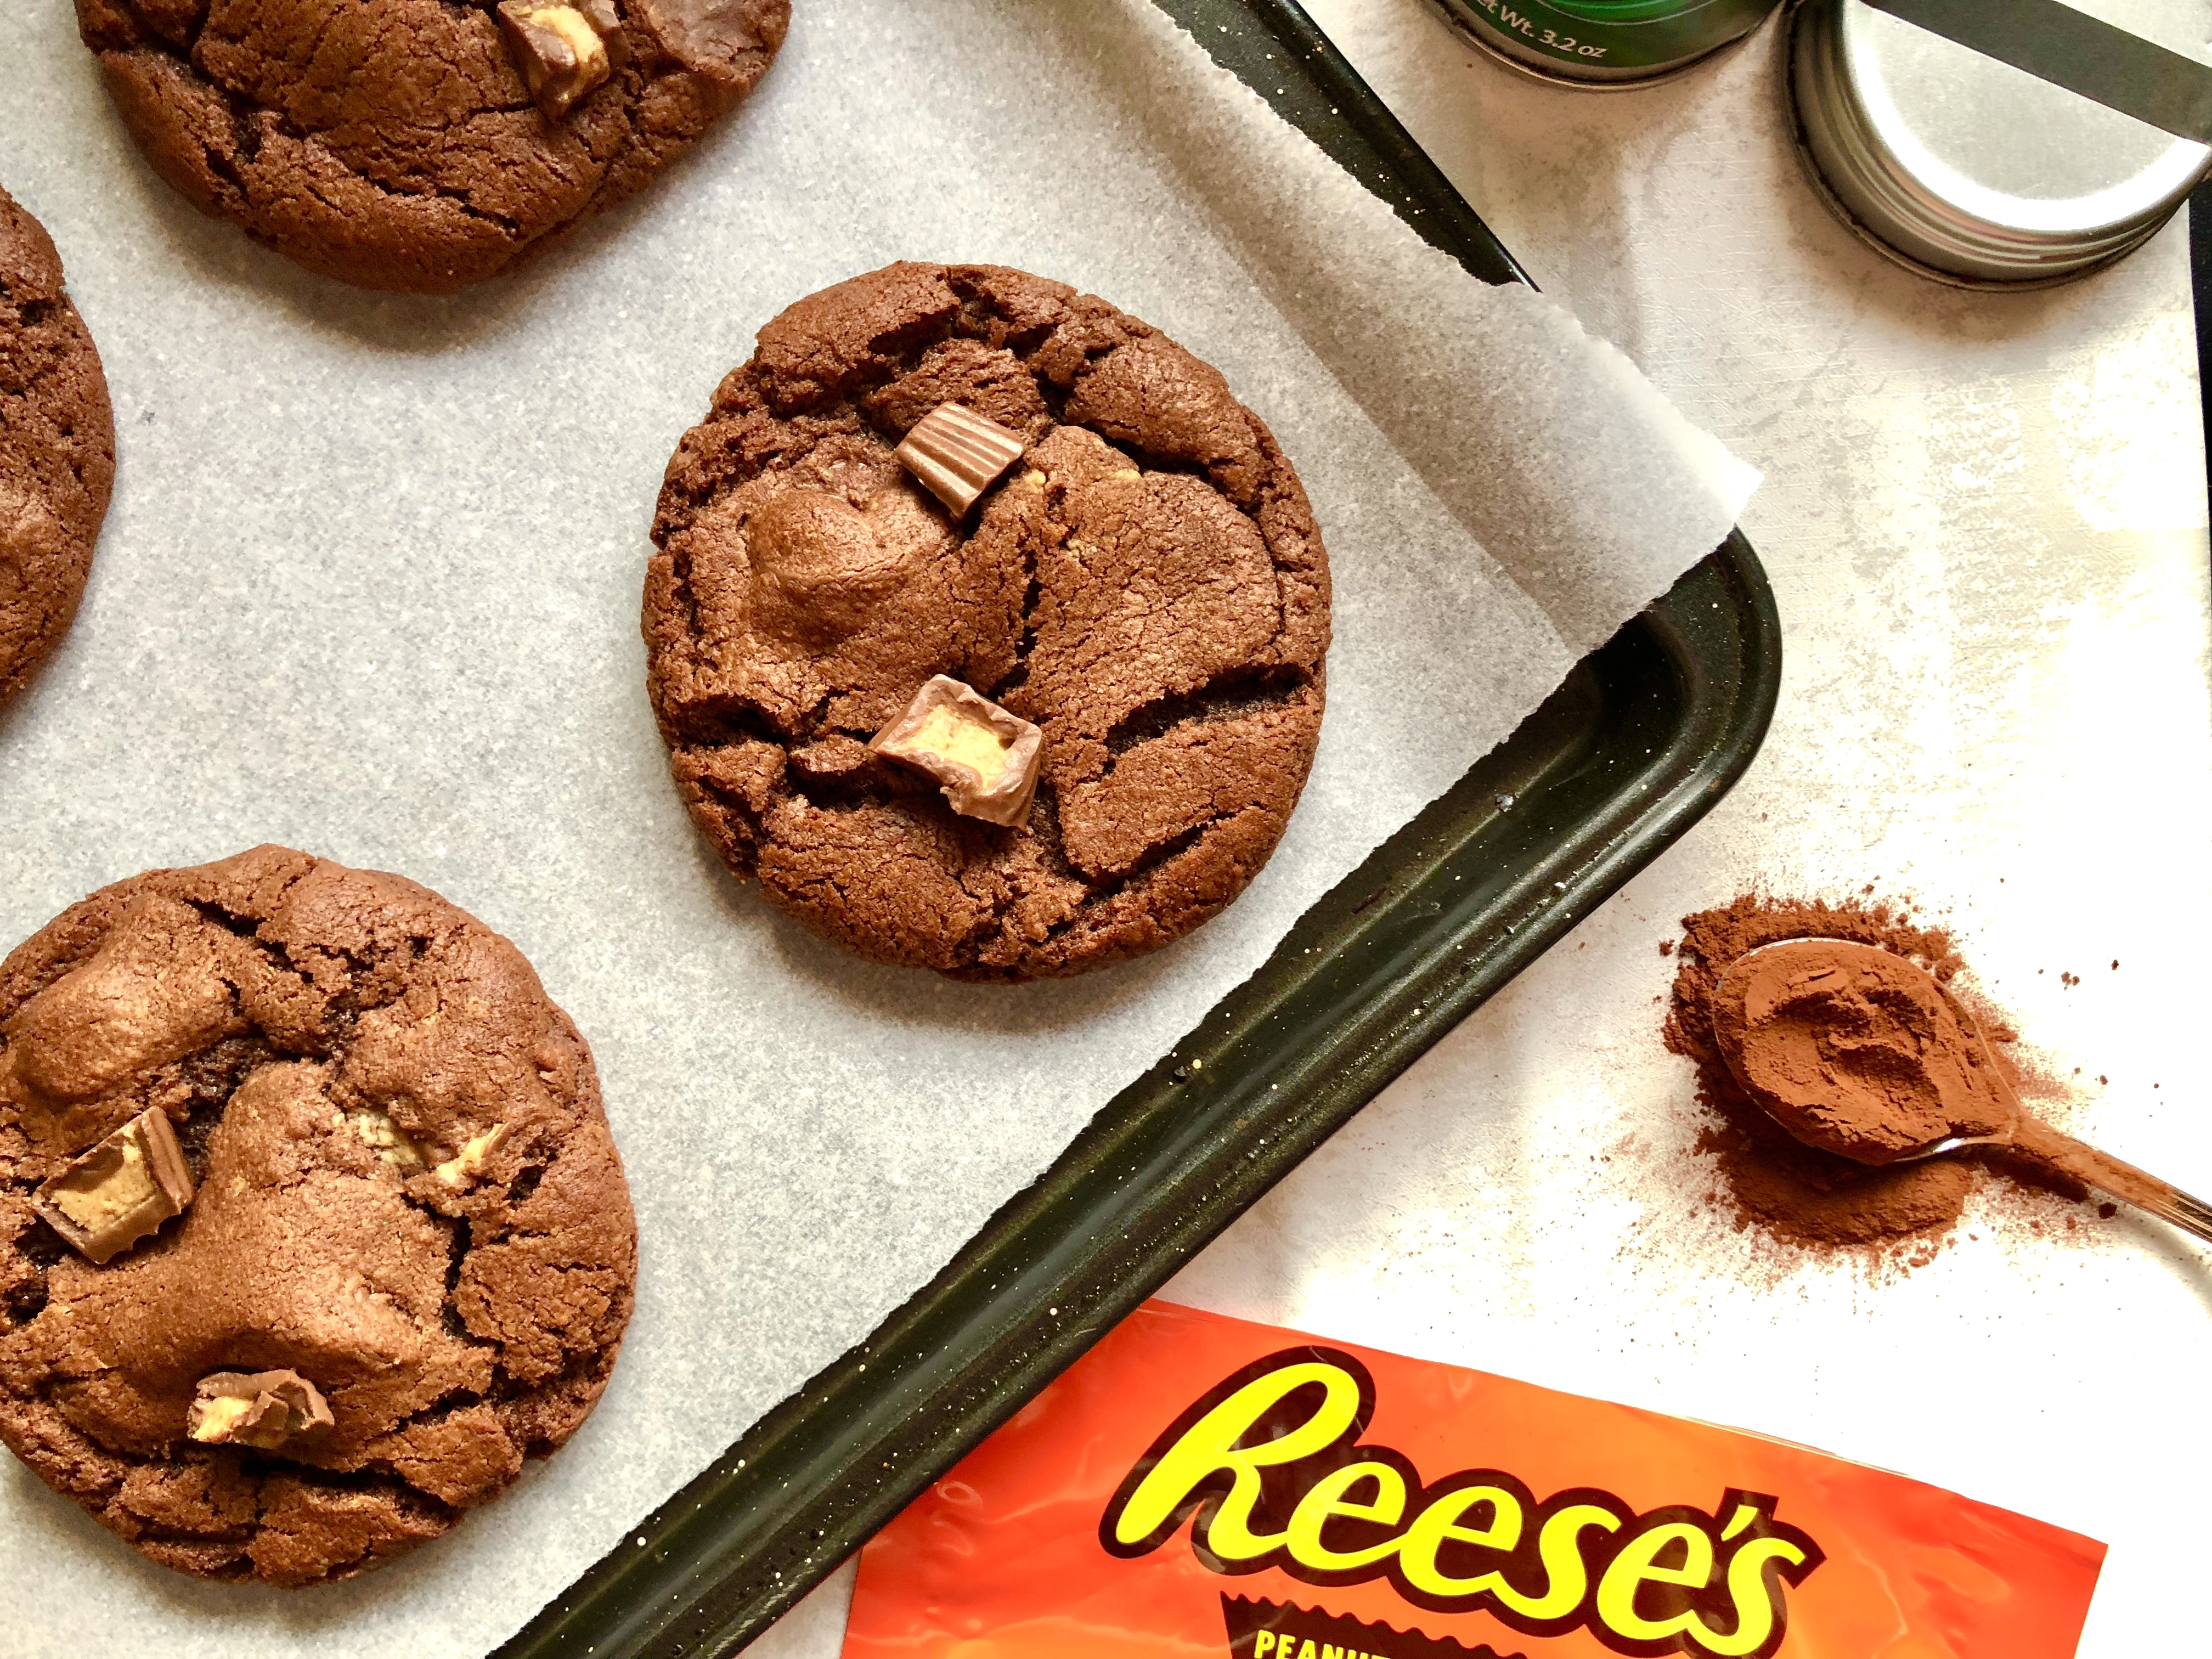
1800	1193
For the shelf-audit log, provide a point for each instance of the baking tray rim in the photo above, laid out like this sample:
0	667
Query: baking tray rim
1390	958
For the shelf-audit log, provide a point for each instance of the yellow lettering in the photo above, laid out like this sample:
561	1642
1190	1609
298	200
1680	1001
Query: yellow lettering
1566	1576
1417	1550
1209	1448
1637	1565
1309	1404
1749	1589
1326	1499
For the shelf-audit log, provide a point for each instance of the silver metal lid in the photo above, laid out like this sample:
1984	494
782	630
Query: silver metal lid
1972	171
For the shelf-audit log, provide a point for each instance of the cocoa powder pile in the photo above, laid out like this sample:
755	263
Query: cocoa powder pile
1855	1050
1800	1193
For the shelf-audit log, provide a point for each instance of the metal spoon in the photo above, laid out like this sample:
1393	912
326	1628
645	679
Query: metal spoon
2024	1133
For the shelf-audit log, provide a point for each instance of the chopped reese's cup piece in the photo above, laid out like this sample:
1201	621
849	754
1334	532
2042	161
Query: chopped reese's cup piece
472	1158
107	1200
261	1409
376	1131
987	758
958	454
565	52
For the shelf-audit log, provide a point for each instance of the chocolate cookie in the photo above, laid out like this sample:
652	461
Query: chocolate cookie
311	1225
421	144
57	449
1141	579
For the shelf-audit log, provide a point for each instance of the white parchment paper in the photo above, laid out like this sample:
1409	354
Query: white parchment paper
370	588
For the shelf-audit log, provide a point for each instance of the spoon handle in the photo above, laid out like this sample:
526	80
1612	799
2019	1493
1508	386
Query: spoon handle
2109	1174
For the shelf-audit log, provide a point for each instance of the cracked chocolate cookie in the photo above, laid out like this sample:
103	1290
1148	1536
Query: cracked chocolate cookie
421	145
56	450
1101	541
311	1225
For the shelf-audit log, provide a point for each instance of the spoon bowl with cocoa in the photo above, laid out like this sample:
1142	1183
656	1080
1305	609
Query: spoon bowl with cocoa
1861	1052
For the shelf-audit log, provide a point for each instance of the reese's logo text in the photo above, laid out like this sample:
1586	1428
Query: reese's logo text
1268	1469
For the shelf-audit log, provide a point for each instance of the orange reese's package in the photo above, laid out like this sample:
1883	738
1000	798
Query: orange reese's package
1198	1487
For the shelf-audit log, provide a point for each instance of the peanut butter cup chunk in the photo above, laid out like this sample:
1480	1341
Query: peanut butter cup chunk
969	478
106	1199
56	450
564	51
400	1257
422	145
984	759
958	454
268	1410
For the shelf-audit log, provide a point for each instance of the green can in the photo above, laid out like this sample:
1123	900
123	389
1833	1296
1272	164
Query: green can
1601	42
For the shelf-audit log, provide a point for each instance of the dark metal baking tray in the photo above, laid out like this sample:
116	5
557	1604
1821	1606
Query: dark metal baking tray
1644	736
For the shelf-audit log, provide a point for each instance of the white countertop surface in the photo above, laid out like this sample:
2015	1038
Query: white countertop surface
1985	520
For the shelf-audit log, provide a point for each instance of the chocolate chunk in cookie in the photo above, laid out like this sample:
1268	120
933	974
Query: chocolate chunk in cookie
56	450
1136	574
408	1256
422	145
